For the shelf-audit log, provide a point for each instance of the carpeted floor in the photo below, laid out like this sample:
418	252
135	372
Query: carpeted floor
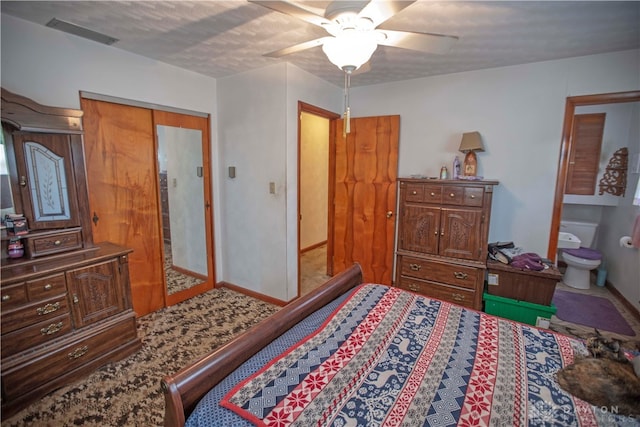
127	393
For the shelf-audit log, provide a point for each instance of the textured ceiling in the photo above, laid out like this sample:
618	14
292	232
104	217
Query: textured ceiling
221	38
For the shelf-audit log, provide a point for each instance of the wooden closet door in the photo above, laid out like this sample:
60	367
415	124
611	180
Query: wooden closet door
123	192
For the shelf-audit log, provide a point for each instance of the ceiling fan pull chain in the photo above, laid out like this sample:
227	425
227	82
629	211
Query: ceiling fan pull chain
347	109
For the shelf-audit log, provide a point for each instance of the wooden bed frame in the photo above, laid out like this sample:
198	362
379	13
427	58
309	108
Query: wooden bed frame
183	390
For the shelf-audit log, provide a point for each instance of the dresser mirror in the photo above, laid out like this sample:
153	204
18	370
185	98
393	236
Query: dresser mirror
181	183
6	195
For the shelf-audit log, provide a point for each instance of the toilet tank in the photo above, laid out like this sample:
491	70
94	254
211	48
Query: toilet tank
586	231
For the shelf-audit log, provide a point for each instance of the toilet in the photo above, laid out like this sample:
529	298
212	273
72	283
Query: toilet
580	261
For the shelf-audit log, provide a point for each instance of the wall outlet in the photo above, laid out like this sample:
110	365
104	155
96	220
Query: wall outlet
542	322
272	188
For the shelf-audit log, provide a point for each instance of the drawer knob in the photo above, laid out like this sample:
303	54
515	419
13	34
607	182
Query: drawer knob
6	297
51	329
48	287
458	297
49	308
460	275
473	196
78	352
415	267
57	243
414	192
433	194
413	287
452	195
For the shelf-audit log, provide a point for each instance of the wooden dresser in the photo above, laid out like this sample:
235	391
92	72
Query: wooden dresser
443	227
66	303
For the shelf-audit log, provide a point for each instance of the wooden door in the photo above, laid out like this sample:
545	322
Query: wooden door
364	196
460	233
123	192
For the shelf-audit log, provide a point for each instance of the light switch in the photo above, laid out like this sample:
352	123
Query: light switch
272	188
232	171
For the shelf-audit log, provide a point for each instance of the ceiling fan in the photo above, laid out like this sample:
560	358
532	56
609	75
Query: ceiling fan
353	33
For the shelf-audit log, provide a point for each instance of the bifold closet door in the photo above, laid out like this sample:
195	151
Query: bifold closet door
123	192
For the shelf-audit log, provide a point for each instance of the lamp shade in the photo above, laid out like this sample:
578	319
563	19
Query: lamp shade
350	48
471	141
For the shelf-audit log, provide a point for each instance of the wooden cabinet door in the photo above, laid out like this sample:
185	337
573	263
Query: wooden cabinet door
46	179
123	183
420	227
460	233
96	292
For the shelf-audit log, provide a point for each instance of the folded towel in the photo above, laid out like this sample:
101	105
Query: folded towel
635	233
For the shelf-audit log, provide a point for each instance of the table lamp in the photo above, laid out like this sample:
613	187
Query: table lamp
471	142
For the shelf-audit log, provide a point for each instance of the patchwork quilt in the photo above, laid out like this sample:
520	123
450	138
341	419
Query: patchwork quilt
391	357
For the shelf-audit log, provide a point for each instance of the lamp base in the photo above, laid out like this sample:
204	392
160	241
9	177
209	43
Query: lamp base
470	166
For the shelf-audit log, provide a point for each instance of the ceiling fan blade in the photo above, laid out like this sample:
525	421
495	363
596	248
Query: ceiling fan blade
294	10
380	11
423	42
297	47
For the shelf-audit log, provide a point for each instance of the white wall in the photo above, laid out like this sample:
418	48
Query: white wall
519	113
314	179
258	131
623	264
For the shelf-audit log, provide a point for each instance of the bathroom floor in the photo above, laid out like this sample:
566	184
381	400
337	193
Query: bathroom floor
581	331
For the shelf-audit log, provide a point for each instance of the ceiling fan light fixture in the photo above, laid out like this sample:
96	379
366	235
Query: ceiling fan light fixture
351	48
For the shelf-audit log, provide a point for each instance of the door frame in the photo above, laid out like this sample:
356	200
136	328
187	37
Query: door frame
331	116
565	150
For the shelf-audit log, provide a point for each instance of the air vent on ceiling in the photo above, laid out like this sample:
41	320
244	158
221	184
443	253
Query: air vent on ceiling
77	30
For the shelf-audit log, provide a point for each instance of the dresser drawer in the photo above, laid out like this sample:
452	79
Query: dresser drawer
13	295
55	243
46	287
452	274
473	196
414	192
25	377
452	195
452	294
22	339
33	313
432	193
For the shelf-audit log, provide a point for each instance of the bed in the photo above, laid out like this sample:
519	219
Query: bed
354	354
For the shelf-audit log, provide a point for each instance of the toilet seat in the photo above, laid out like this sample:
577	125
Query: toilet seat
584	253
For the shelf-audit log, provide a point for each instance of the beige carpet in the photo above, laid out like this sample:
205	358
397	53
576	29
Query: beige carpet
127	393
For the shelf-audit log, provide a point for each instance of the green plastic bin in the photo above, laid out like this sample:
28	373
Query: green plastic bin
521	311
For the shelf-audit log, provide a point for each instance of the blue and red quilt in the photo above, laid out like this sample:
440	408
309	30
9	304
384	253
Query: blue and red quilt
391	357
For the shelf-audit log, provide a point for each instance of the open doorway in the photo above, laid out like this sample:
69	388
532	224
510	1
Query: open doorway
313	196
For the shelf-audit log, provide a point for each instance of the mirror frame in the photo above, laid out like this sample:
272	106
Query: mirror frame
565	148
166	118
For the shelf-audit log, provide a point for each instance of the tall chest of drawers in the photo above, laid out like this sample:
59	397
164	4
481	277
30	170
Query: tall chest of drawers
443	227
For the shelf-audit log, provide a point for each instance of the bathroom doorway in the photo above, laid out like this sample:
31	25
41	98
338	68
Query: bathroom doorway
565	148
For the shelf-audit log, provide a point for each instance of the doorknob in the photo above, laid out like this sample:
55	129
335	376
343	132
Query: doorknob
389	214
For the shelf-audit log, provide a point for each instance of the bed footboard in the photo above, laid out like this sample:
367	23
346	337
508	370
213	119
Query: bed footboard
183	390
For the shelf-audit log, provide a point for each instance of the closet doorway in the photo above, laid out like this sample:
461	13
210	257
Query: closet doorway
148	169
